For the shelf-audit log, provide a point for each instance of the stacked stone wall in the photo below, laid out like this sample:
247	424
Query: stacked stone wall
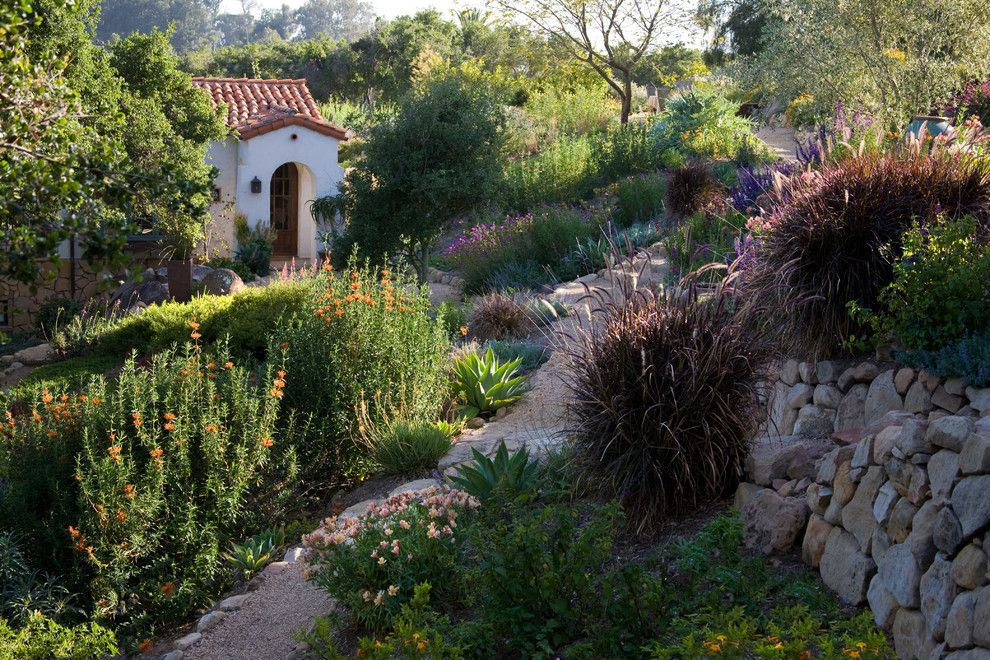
881	474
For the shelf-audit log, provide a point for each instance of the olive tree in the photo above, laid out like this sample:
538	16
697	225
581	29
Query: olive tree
439	156
895	58
610	36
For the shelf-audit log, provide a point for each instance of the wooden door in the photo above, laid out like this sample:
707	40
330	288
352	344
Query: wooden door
285	210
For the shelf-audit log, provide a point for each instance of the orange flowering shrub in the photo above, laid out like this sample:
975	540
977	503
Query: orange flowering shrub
363	336
153	476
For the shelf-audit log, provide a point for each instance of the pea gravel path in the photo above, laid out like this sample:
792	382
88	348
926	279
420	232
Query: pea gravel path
264	626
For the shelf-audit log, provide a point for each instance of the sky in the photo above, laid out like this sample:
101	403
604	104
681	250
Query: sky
384	8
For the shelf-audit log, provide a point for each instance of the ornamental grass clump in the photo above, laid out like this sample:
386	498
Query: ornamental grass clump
372	563
829	237
692	189
499	316
667	397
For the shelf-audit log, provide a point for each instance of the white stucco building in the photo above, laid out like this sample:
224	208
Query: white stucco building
282	156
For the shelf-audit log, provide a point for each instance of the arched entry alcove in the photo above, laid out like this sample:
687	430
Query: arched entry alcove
284	202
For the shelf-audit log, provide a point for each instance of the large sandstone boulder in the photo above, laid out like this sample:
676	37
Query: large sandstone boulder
772	523
34	355
222	282
846	570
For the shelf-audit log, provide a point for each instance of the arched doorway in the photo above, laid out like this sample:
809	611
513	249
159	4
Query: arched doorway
285	210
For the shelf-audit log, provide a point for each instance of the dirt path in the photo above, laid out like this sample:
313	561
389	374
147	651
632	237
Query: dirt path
781	140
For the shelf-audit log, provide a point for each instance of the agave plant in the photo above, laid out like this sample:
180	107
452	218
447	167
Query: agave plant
508	474
486	384
255	553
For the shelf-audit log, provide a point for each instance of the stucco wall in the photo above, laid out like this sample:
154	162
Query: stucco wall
240	162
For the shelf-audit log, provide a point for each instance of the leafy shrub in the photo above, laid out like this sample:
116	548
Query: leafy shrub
692	189
640	199
563	172
940	291
530	354
399	446
972	99
42	639
702	123
732	602
967	358
363	337
572	168
643	378
485	384
507	476
453	318
418	631
832	235
163	463
254	245
246	317
499	316
373	563
542	583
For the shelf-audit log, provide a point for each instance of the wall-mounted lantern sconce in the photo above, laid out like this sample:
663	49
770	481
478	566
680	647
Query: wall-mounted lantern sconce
256	185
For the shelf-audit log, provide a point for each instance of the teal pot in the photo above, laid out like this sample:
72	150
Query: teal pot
935	125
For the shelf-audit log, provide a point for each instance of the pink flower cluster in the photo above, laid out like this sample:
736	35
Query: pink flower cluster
441	503
483	239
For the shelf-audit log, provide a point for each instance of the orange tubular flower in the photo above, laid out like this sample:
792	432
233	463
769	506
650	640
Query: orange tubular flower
144	646
169	426
228	365
211	428
114	452
156	453
121	516
130	492
266	442
46	397
169	417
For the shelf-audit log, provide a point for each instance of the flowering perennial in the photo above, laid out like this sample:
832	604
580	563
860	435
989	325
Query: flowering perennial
372	563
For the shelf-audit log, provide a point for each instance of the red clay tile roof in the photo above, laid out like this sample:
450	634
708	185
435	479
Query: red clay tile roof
256	107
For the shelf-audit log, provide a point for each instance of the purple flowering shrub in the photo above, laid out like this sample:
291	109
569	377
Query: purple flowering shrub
523	247
756	182
972	99
372	563
847	132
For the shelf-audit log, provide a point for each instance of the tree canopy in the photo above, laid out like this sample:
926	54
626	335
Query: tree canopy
895	58
439	156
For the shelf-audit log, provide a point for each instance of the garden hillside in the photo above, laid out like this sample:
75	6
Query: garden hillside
581	372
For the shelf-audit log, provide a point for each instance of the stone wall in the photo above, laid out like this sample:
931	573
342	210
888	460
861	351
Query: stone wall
886	488
23	301
817	399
